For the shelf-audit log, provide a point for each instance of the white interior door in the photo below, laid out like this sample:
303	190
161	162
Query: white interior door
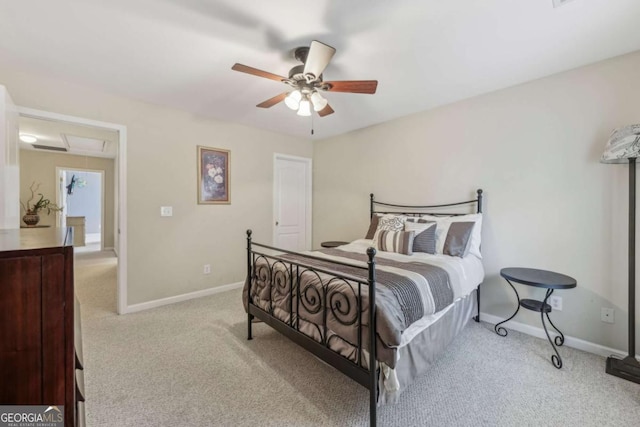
87	202
292	203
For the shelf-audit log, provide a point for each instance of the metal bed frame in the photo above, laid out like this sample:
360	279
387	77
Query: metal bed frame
282	276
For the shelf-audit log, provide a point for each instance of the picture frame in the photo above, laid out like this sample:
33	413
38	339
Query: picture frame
213	176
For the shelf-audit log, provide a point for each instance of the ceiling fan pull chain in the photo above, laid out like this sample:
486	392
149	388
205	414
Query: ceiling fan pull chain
311	124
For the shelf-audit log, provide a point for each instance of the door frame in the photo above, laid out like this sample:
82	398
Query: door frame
308	191
120	214
59	196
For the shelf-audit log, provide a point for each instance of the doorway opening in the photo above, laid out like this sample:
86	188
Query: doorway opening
81	192
87	136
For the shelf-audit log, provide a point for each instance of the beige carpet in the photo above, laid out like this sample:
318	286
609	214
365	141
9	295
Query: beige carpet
189	364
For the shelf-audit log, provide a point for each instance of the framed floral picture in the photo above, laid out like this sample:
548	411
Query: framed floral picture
213	176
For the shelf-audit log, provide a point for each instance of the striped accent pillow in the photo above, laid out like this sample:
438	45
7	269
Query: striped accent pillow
395	241
425	239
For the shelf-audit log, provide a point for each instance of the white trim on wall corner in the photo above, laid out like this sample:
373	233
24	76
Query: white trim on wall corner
183	297
577	343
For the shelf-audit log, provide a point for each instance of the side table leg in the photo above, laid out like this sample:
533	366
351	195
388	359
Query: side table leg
555	358
559	340
499	329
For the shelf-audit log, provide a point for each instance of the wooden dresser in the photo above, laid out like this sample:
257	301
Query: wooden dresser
40	338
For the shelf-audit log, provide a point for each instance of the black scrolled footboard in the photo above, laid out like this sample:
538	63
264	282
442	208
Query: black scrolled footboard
319	298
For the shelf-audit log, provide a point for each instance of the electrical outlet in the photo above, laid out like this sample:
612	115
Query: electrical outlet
166	211
207	269
555	303
607	315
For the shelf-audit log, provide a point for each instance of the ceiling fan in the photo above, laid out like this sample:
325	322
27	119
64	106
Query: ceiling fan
306	81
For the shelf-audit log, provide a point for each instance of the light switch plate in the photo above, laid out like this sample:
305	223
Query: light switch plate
166	211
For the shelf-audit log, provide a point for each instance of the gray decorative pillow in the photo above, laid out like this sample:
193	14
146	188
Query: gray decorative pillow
372	227
458	237
425	240
395	241
443	228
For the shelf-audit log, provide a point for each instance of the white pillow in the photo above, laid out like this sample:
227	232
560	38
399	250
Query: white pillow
442	228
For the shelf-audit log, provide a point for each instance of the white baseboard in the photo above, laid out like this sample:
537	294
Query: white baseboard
577	343
486	317
179	298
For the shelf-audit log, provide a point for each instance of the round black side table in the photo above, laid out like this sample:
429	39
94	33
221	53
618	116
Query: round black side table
540	279
332	244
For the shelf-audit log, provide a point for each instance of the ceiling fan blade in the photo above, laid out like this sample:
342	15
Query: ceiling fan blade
272	101
325	111
256	72
318	58
352	86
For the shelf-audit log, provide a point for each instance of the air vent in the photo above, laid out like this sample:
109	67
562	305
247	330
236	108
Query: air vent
47	147
558	3
85	144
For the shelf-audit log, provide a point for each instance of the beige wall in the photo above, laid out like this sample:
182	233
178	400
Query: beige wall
166	254
40	167
535	151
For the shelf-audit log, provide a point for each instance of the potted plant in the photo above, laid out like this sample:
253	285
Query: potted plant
31	217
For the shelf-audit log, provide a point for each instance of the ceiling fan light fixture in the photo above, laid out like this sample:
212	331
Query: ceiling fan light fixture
306	80
293	99
305	107
318	101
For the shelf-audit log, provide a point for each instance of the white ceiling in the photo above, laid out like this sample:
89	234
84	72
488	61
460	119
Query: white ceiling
76	139
424	53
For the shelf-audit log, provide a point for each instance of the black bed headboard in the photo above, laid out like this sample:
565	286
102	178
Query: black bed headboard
413	210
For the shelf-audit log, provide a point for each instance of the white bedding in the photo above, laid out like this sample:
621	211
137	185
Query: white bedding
465	274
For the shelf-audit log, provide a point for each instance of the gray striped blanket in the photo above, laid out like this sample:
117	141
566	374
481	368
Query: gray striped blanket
405	292
415	298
